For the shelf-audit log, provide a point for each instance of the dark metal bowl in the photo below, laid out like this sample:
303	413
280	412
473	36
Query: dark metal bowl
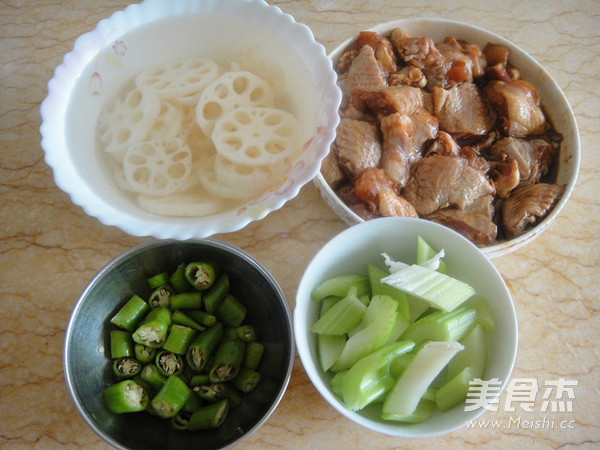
87	357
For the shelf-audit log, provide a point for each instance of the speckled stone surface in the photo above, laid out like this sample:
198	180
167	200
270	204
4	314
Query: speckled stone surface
50	249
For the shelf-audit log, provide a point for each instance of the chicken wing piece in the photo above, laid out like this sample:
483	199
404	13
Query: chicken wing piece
442	181
364	71
399	149
387	100
358	145
518	107
528	205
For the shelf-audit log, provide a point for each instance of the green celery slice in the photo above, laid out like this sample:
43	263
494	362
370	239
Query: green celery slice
378	288
339	286
337	381
421	413
379	319
439	290
442	326
484	315
425	252
418	376
474	355
400	327
454	391
342	317
400	364
369	378
416	307
329	347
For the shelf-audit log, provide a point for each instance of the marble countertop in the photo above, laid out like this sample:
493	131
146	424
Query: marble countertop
50	249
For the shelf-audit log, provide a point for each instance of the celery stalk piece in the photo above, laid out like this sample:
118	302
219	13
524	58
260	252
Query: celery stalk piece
379	319
379	288
340	285
430	393
416	308
484	315
421	413
425	253
337	381
369	378
329	348
474	355
439	290
454	391
327	303
400	327
414	381
400	364
442	326
341	317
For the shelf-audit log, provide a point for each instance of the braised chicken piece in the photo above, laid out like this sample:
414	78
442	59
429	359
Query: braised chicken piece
358	146
382	49
391	204
399	149
468	61
364	71
409	76
425	127
533	157
518	107
375	189
527	205
331	169
443	145
461	110
475	222
506	177
388	100
442	181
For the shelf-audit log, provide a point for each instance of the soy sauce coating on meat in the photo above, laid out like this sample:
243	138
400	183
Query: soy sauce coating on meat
447	131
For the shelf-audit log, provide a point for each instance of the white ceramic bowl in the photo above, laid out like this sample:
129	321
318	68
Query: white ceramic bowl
350	251
153	32
556	107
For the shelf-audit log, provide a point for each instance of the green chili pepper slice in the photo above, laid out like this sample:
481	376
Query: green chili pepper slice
121	344
209	417
169	400
216	294
203	347
181	318
231	312
161	296
151	375
158	280
228	360
210	392
178	281
179	339
125	397
253	355
201	275
130	313
168	363
144	354
187	300
126	367
246	380
152	332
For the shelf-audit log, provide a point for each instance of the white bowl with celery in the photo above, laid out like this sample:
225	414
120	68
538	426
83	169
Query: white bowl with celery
405	327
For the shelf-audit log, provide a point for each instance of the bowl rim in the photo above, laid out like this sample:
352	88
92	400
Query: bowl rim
302	333
504	247
55	106
153	243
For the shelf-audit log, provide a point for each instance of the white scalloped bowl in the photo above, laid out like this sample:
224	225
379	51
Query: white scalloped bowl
153	32
553	99
349	252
